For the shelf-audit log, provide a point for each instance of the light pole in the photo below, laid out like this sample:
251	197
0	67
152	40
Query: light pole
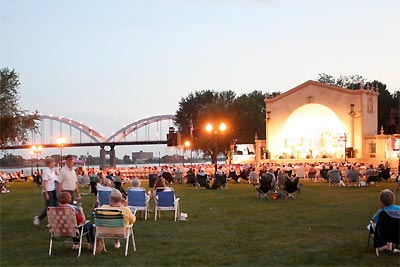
187	145
209	129
31	152
60	143
37	149
344	139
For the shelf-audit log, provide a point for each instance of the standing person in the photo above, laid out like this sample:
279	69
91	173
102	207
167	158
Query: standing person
49	189
67	180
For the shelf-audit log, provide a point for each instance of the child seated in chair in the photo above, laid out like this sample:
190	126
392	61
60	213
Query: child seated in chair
64	198
387	199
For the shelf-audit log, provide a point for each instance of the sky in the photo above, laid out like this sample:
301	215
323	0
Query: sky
109	63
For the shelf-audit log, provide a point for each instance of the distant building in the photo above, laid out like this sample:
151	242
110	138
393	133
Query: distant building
141	156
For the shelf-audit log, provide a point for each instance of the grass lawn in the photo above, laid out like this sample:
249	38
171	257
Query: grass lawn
325	227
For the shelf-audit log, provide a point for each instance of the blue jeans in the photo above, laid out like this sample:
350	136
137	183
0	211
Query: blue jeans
52	202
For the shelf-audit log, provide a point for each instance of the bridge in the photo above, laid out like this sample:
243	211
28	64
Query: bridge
148	131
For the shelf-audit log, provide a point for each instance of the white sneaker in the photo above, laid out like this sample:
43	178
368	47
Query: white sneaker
75	246
36	220
117	244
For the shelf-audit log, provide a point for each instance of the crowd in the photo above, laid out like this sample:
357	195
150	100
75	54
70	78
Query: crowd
61	188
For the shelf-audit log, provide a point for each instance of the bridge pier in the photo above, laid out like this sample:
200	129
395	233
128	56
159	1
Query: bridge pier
103	153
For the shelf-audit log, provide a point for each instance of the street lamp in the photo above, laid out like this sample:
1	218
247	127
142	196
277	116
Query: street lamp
31	152
60	143
221	129
187	146
344	139
37	150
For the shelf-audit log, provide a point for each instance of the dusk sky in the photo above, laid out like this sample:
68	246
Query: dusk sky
110	63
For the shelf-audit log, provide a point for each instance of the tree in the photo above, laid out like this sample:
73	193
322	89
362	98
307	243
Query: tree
14	122
387	102
244	116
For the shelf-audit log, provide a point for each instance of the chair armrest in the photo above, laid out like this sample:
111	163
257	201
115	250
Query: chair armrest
133	209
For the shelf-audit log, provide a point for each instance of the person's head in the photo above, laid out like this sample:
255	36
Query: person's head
387	197
115	197
159	183
64	198
50	162
136	182
69	161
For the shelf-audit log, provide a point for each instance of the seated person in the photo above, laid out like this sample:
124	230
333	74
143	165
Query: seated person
253	176
266	182
353	176
243	175
387	199
178	176
220	179
371	174
64	198
136	186
202	179
117	201
191	177
323	173
232	174
167	176
334	175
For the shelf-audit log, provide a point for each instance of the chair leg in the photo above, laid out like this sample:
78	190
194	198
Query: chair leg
95	245
155	214
126	245
133	241
51	245
80	241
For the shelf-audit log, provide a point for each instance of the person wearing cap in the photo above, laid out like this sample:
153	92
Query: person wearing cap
67	180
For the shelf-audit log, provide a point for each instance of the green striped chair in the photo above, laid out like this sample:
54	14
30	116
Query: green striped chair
109	223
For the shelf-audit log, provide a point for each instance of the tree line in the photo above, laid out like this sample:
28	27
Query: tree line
244	115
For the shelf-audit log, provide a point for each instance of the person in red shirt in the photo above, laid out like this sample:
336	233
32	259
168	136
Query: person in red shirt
64	198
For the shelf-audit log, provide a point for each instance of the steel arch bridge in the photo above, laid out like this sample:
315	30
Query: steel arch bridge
98	138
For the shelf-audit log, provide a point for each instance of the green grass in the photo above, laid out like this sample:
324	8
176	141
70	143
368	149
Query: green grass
325	227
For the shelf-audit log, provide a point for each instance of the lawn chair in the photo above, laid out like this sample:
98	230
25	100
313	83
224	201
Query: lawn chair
103	197
292	187
138	200
165	200
387	230
109	223
264	190
62	223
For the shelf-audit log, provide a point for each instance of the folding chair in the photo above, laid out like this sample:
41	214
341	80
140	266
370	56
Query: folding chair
260	194
103	197
62	223
138	200
386	230
265	188
166	200
291	187
110	224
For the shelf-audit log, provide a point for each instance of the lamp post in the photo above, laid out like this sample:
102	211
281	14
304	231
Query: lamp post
31	152
344	139
60	143
187	145
37	149
209	129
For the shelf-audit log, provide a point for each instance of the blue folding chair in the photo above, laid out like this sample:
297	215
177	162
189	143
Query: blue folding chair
165	200
138	200
103	197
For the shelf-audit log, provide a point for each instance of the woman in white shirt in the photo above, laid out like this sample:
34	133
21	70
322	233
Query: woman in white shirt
49	189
